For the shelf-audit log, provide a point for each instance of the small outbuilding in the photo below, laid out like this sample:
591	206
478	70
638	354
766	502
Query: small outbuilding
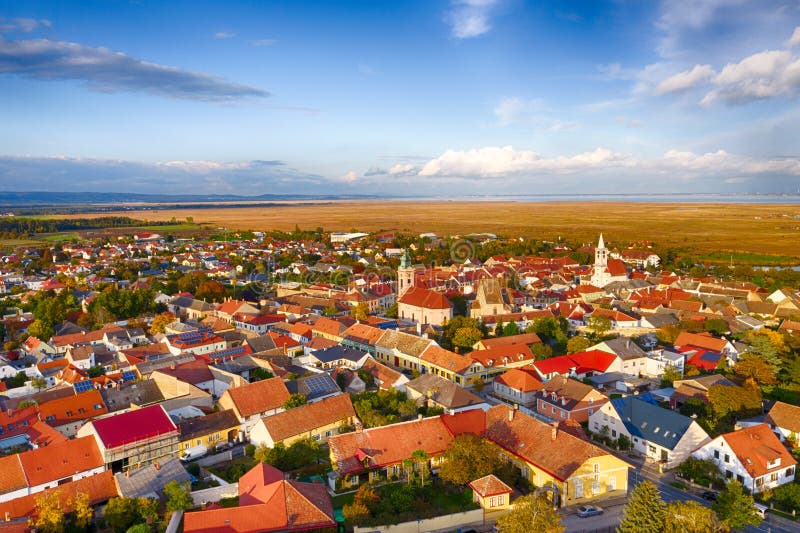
491	493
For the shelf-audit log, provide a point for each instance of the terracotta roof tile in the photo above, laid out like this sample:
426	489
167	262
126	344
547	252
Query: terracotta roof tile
259	397
785	416
755	447
308	417
74	408
61	460
489	485
426	298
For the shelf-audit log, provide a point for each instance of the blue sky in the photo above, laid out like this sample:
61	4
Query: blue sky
431	97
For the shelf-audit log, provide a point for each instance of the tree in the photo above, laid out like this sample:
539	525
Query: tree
178	497
147	508
421	465
734	506
391	311
39	383
531	514
690	517
753	366
645	511
160	322
295	400
716	326
510	329
139	528
360	311
599	325
210	291
41	330
542	350
49	515
732	400
120	513
767	347
82	513
670	375
498	328
668	334
466	337
363	502
578	344
469	457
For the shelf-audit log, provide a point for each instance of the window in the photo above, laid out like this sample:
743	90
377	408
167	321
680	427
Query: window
612	483
596	468
595	488
69	413
774	476
579	488
716	454
614	433
789	472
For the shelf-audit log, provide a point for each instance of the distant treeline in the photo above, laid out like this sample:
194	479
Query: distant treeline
27	226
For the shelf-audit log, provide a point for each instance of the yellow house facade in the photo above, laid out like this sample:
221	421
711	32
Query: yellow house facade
208	431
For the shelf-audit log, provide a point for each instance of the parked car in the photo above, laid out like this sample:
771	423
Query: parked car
586	511
710	495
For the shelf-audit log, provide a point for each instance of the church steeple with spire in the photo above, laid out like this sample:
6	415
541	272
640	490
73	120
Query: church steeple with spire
405	274
600	274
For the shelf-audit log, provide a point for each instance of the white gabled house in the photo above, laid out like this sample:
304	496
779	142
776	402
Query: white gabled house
660	434
754	456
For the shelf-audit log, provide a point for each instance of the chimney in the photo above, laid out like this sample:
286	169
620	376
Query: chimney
511	414
554	431
127	473
359	427
158	466
419	416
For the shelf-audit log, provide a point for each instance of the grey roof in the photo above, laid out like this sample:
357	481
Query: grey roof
335	353
148	367
403	342
260	344
141	393
644	418
625	348
659	320
203	425
443	391
149	481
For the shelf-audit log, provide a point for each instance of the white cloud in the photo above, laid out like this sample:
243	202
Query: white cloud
350	177
628	122
25	25
683	81
470	18
224	35
403	169
680	20
501	162
105	70
770	74
263	42
514	109
794	40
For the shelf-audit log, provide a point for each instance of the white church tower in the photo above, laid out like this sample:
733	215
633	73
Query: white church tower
405	275
600	275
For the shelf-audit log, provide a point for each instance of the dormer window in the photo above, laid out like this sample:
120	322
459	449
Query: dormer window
774	463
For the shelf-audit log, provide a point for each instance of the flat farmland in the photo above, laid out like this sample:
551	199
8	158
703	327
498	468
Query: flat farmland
746	230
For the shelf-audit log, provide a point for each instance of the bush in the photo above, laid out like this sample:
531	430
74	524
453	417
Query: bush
250	450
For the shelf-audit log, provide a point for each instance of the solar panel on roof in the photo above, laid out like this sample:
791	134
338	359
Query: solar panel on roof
128	375
83	386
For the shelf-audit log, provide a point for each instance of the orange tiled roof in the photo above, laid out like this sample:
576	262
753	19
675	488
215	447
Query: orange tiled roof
99	487
426	298
755	447
523	338
489	485
701	341
520	379
12	476
309	417
259	397
446	359
61	460
75	408
502	355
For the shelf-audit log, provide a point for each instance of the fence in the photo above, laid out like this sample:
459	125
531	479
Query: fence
215	494
209	460
447	522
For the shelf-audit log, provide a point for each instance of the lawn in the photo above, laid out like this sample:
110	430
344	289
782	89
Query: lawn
231	472
59	237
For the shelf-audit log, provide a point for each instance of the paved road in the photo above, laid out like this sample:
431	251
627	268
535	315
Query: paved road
607	522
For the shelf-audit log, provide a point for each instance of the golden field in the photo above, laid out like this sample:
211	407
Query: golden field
772	229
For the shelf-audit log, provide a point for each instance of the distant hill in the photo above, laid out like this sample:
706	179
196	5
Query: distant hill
41	198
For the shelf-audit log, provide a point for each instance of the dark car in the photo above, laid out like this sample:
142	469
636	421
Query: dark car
709	495
586	511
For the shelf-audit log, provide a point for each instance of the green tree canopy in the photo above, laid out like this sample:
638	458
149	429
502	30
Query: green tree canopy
645	511
734	506
469	457
531	514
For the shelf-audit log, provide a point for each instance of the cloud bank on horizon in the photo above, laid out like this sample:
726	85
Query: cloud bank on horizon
481	97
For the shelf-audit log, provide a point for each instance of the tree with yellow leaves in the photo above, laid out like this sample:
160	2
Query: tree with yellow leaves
49	516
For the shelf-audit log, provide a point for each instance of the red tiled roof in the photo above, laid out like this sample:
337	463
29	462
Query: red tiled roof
502	355
134	426
61	460
267	502
592	360
489	486
426	298
523	338
701	341
73	408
